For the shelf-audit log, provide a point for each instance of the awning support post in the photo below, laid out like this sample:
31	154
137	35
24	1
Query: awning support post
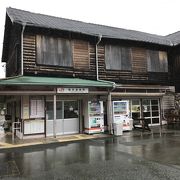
109	114
54	122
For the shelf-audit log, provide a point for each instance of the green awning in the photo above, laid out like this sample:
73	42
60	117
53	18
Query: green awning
52	81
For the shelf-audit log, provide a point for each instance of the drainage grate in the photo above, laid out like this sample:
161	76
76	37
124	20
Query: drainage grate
9	169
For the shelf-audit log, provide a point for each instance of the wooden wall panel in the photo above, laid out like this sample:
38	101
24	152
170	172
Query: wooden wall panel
29	52
158	77
168	102
176	72
81	55
13	64
92	57
139	60
111	75
177	64
82	51
31	66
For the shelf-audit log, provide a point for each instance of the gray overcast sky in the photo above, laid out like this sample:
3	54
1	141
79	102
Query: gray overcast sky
152	16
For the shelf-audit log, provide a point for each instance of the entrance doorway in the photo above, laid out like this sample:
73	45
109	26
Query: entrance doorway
67	117
147	108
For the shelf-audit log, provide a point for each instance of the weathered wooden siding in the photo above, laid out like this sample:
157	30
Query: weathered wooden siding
84	61
177	64
111	75
29	52
139	60
13	65
92	57
138	74
139	63
81	55
168	102
162	78
31	66
176	72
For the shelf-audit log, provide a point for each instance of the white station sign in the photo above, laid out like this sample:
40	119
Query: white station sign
72	90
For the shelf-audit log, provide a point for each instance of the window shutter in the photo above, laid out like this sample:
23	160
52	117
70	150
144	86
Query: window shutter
54	51
163	61
117	57
157	61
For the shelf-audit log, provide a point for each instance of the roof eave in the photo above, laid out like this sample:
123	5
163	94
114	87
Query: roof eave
90	34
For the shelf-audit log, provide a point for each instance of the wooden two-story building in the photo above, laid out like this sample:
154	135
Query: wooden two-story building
64	75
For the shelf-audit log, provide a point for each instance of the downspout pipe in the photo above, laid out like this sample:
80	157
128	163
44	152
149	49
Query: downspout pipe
97	63
110	82
22	47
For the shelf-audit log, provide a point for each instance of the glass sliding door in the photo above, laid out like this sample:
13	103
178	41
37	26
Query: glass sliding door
151	110
147	108
135	108
71	117
155	111
67	117
49	118
59	117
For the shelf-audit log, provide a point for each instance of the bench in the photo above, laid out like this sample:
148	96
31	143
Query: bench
141	123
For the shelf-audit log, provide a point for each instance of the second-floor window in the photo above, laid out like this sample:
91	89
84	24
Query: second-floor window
117	57
157	61
54	51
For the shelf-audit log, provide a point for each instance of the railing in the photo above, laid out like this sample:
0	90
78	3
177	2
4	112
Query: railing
15	126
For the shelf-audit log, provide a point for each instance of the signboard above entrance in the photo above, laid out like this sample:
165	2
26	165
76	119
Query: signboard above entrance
72	90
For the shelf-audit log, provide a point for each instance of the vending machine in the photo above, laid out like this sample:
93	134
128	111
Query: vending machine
94	117
121	114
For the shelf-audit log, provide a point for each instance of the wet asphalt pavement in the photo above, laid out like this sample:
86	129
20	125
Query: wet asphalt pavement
143	157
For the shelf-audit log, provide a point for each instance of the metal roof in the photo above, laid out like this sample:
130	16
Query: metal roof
52	81
45	21
174	38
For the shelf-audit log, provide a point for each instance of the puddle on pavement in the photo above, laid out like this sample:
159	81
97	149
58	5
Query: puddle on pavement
9	169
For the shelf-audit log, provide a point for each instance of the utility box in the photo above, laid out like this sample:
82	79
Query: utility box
118	128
